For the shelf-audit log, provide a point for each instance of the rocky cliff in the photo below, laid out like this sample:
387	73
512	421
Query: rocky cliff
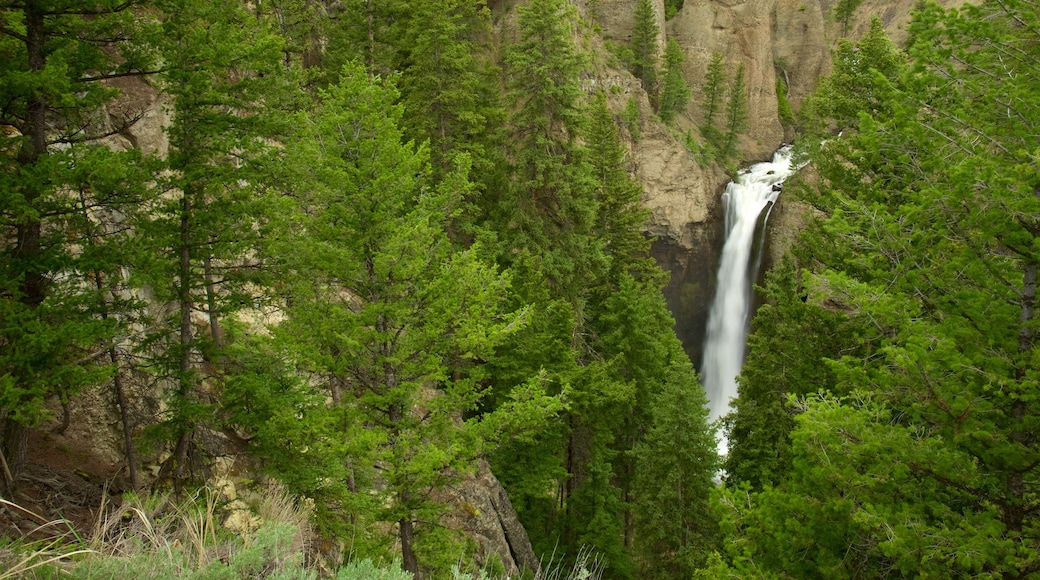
772	39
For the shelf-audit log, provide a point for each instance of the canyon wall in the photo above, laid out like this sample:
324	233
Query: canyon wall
771	39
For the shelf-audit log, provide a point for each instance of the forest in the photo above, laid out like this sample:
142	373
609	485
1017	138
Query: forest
387	243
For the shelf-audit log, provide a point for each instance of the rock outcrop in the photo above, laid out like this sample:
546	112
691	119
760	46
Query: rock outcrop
786	40
483	511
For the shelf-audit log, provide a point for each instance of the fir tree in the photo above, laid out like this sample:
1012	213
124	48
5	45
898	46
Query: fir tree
221	75
55	166
736	115
675	93
382	305
714	92
929	242
645	49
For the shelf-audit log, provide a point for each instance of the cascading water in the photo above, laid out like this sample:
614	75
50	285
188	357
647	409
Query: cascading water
754	190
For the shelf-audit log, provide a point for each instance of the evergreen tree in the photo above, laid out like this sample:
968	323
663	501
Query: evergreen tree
926	467
671	8
382	305
862	73
714	92
792	334
675	469
645	49
549	214
52	250
736	115
621	215
675	93
449	86
221	75
843	12
370	30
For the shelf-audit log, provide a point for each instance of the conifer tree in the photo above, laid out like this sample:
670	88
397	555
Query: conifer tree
371	30
549	214
929	240
449	84
676	464
221	74
714	93
645	49
394	318
621	215
736	115
675	93
791	335
51	84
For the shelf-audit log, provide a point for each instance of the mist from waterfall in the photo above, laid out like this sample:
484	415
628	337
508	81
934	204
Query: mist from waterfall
755	189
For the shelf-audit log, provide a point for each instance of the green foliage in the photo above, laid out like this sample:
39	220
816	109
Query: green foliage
222	79
447	84
783	105
387	312
862	73
632	118
736	115
843	13
727	100
365	569
372	32
671	8
675	467
621	216
645	50
713	93
675	93
793	333
61	194
929	243
548	213
316	252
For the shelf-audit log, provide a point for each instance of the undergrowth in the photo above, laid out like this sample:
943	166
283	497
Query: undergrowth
199	538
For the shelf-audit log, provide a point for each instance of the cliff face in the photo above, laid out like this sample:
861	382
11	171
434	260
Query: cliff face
771	39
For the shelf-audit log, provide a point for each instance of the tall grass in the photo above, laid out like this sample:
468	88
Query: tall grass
22	557
159	537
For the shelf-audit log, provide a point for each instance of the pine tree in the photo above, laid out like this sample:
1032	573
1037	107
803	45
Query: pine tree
370	30
221	75
621	216
714	92
930	242
676	465
645	49
675	93
736	115
549	214
449	85
791	335
54	165
382	306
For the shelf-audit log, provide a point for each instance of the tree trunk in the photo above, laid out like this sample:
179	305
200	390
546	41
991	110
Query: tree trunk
185	386
124	418
14	438
216	332
408	560
1014	508
12	454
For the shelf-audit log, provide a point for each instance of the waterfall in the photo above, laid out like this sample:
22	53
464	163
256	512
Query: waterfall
754	190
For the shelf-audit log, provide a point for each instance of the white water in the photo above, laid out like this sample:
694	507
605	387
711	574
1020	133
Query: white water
744	200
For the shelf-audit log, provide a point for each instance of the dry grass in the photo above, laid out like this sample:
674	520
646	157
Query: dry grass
32	554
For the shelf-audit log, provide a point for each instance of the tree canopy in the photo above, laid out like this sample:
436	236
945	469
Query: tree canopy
917	455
